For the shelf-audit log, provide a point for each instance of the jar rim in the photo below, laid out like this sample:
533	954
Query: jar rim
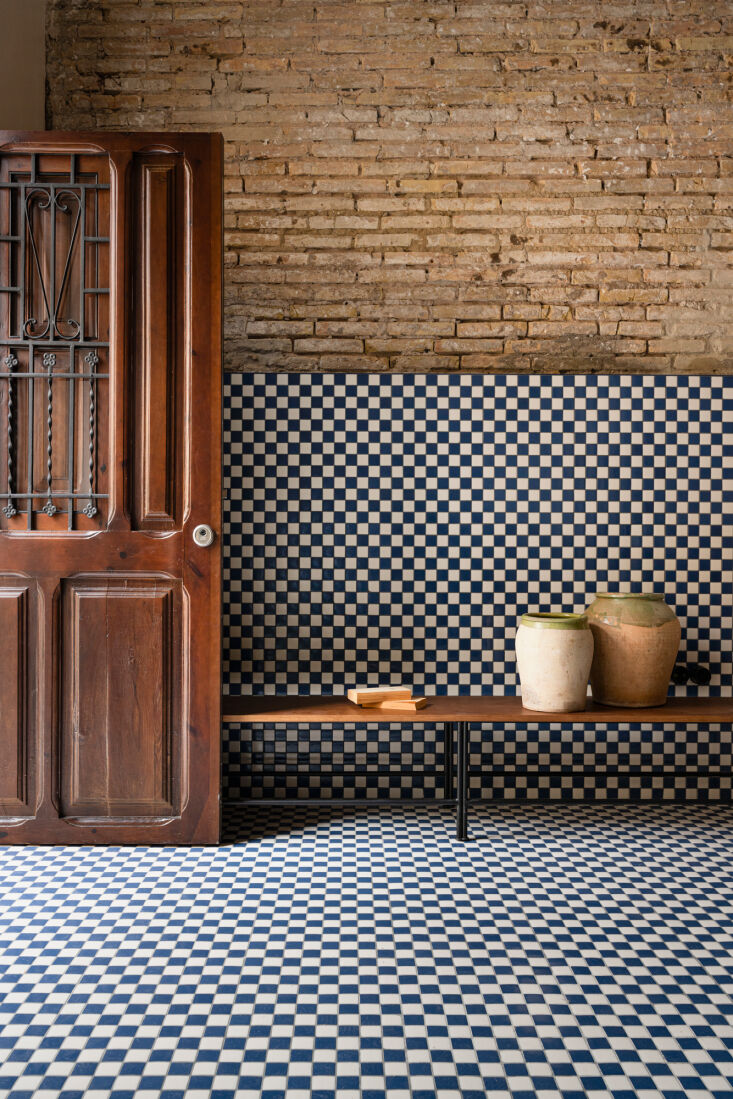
652	596
554	620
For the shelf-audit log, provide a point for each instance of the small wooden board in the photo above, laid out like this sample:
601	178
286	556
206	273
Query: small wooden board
371	696
405	704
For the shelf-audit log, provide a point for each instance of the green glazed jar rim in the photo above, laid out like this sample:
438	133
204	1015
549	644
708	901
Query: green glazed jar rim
554	620
651	596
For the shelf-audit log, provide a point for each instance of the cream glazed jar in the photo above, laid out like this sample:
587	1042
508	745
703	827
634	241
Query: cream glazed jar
554	655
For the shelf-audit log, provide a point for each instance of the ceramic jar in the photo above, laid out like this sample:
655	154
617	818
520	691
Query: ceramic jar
636	641
554	653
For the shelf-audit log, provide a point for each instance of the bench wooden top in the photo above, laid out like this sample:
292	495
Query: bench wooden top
248	709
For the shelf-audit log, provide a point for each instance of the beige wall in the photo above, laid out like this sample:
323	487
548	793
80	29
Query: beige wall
432	185
22	64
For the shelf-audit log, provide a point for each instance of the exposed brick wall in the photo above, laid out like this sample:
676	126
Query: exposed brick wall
442	184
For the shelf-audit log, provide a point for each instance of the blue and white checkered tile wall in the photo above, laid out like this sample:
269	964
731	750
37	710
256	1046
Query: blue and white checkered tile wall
392	528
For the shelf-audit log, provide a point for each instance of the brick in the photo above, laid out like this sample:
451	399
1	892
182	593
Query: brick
612	168
388	204
398	345
481	361
631	295
464	203
426	186
487	221
279	327
468	310
561	259
525	311
424	362
415	221
570	221
462	240
460	347
646	329
330	345
351	221
713	43
475	329
562	328
333	362
675	345
348	329
679	166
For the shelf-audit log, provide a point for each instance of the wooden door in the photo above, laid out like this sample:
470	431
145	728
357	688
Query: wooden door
110	378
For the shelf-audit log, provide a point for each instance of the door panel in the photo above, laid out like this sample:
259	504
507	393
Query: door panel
121	649
17	691
110	429
159	292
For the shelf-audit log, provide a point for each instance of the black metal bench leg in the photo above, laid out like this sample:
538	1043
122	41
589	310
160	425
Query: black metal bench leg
448	763
462	791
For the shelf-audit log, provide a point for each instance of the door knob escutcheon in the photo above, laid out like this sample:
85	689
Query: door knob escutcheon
203	535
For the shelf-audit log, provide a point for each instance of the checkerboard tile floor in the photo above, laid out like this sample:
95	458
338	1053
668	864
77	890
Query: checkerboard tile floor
566	951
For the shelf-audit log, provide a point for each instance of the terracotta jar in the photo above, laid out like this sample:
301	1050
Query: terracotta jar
554	653
636	641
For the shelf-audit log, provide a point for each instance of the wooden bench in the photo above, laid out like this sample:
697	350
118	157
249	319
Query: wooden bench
458	712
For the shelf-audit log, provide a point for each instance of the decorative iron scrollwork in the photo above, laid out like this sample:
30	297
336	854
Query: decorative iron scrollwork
49	361
54	246
92	360
10	361
53	200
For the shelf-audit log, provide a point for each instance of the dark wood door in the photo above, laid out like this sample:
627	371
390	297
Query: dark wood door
110	379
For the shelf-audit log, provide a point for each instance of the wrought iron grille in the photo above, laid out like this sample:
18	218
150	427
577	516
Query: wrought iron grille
54	339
